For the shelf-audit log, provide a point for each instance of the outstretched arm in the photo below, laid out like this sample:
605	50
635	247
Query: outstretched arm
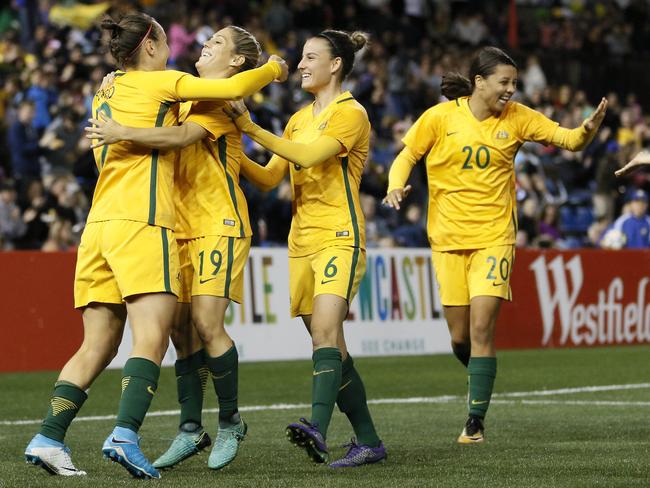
238	86
304	155
398	175
106	131
641	159
264	177
577	139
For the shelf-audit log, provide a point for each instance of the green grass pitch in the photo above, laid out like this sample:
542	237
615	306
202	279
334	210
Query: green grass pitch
572	438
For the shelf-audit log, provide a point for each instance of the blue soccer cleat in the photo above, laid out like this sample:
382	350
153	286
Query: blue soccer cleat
123	446
358	455
185	444
53	456
227	444
307	436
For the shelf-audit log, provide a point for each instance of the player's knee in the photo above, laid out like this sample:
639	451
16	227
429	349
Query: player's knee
482	338
321	337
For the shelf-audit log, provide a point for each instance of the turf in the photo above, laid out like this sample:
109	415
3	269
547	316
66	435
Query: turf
566	442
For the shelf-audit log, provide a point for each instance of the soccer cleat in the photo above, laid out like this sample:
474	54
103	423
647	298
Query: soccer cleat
185	445
53	456
307	436
358	455
473	431
226	445
123	446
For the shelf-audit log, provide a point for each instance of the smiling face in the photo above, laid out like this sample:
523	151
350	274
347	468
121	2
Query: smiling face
218	54
317	66
496	89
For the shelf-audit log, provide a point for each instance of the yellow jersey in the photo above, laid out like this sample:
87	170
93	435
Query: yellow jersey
470	171
135	183
209	200
326	209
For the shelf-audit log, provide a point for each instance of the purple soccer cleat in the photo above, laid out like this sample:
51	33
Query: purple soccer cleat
358	455
306	435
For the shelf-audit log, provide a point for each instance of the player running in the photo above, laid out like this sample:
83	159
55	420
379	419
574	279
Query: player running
469	145
128	260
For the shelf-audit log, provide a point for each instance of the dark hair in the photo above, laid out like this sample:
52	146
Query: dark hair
245	45
484	64
128	35
344	45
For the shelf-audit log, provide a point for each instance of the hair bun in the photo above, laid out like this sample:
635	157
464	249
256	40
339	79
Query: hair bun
359	40
111	25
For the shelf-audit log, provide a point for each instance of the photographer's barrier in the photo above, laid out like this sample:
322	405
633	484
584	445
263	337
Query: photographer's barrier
561	299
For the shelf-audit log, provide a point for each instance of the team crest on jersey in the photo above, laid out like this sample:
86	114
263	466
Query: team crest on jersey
502	135
322	126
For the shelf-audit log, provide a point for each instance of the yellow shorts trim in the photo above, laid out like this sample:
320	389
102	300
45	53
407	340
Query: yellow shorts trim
214	266
333	270
117	259
463	275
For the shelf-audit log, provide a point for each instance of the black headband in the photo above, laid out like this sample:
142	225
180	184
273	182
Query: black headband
335	49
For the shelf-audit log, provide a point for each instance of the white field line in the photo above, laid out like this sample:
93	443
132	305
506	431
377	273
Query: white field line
500	398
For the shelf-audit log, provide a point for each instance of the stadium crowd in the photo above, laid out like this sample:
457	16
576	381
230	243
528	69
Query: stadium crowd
52	60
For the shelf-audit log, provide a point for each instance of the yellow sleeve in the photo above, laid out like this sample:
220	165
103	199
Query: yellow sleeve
401	168
532	125
535	126
423	134
264	177
208	116
305	155
238	86
346	125
573	139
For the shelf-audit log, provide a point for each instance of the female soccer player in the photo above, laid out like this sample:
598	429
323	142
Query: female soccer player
213	233
127	260
324	149
470	143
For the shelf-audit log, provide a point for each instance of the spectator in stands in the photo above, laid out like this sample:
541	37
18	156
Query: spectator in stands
527	223
12	226
37	215
636	224
60	237
61	140
533	78
44	96
412	232
22	139
549	232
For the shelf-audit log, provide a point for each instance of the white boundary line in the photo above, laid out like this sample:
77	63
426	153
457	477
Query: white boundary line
499	398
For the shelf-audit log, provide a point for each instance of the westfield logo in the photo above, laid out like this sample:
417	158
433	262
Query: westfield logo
600	317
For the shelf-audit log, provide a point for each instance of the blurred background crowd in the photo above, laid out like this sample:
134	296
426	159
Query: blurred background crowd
570	53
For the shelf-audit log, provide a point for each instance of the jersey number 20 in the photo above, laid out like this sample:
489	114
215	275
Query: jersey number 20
481	157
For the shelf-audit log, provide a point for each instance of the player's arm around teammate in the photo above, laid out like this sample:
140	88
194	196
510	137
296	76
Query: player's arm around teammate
127	260
470	143
324	148
215	240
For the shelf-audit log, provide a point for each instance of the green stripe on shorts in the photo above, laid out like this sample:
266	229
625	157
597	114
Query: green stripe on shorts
353	272
165	244
231	257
